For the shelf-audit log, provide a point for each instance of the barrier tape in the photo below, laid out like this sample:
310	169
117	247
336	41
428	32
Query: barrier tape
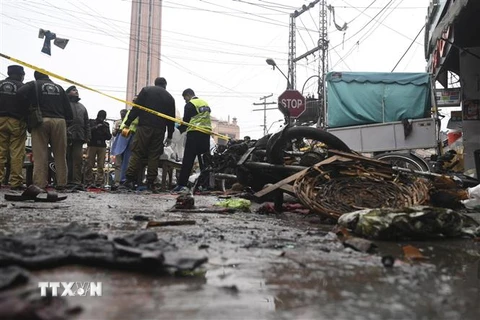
158	114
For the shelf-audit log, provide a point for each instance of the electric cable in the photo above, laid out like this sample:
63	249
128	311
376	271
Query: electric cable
411	44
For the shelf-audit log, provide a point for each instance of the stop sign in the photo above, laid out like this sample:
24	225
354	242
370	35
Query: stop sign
293	101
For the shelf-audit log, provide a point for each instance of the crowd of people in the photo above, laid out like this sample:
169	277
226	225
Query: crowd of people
60	124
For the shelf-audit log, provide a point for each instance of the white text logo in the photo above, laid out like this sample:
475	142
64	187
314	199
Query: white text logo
71	289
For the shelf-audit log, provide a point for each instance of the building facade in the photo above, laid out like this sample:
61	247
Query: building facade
226	128
452	45
145	45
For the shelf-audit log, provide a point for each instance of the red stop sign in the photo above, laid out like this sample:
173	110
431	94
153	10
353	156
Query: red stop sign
293	101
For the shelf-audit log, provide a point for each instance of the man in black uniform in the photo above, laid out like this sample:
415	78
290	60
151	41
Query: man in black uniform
97	149
79	133
13	128
56	112
148	140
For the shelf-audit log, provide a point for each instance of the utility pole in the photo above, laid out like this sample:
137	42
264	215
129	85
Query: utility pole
321	48
293	45
264	109
323	63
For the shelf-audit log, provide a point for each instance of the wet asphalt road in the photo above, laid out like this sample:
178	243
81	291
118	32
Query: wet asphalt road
285	266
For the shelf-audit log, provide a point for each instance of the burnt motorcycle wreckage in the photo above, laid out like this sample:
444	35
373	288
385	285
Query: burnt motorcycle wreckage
256	163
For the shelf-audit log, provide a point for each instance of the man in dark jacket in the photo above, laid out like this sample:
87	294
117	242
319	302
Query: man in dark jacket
78	134
56	112
13	129
148	140
97	149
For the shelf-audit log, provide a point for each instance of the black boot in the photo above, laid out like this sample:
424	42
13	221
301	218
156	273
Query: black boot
127	185
153	188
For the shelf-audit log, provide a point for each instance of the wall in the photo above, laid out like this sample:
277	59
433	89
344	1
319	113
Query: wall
470	77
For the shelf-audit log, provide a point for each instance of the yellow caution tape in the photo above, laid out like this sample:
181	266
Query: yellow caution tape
159	114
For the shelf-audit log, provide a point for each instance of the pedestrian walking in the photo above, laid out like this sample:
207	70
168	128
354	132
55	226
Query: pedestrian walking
150	134
78	133
196	112
13	128
97	149
50	129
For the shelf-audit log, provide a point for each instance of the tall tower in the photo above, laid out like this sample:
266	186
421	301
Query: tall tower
145	44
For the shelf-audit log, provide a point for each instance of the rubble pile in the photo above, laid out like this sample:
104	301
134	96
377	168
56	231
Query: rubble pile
76	244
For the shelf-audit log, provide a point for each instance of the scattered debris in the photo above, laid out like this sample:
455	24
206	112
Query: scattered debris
360	244
269	208
418	222
236	203
388	261
12	276
205	210
170	223
185	201
28	304
76	244
140	217
412	253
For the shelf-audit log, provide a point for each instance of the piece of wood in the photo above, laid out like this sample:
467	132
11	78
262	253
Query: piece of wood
292	178
288	188
170	223
205	210
360	158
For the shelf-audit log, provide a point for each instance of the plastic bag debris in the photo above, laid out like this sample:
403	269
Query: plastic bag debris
409	223
236	203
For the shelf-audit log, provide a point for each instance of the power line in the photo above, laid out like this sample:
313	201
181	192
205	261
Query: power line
411	44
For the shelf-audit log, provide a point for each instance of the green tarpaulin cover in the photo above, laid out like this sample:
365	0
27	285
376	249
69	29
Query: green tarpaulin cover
359	98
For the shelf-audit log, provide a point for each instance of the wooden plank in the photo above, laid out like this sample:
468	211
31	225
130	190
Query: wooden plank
288	188
354	156
291	178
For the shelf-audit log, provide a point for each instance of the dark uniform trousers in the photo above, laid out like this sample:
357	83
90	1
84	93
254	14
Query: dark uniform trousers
197	143
147	144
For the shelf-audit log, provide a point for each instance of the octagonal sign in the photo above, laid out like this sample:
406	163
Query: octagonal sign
293	101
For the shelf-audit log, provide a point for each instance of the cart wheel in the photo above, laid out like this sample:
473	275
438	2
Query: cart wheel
404	160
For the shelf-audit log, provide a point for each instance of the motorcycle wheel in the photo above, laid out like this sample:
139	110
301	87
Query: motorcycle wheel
308	135
404	160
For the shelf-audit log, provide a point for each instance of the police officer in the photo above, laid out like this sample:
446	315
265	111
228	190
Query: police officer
78	134
13	128
197	113
150	133
56	112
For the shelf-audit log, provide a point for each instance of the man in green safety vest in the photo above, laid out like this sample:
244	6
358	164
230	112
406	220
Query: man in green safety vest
196	113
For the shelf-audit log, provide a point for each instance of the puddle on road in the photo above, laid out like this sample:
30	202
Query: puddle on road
224	292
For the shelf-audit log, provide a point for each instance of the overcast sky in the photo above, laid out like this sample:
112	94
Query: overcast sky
216	47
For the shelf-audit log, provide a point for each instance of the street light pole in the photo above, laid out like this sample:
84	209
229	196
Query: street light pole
272	63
